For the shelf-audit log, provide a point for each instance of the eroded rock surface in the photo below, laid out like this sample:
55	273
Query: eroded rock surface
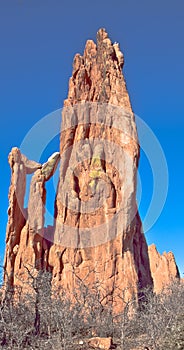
97	235
25	243
98	230
163	268
17	215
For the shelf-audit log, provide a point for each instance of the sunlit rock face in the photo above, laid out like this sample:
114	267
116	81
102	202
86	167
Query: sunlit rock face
97	234
25	241
163	268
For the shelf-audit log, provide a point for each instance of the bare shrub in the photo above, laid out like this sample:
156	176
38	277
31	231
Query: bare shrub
45	318
159	324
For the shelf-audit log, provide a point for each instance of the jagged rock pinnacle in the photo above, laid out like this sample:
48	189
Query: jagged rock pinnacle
97	75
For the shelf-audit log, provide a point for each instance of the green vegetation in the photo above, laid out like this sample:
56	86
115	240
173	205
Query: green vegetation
96	162
94	174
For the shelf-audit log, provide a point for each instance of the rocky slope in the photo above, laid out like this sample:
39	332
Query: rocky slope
97	235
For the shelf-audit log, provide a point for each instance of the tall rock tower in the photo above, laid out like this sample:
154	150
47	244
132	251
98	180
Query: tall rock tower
97	235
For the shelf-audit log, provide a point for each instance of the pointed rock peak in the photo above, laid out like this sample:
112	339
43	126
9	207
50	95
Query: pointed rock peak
102	41
97	75
104	45
90	49
101	35
112	50
163	268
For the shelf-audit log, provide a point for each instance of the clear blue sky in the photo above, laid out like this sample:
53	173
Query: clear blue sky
38	39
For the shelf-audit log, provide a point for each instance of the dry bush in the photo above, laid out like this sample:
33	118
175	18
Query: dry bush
159	322
44	319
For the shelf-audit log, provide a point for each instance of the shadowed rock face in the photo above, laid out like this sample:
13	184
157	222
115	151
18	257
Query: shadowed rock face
97	236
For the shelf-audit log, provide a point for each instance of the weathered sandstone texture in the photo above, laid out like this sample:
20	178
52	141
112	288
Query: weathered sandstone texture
163	268
97	236
25	242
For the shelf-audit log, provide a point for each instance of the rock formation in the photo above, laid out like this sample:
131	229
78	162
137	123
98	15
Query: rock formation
17	215
97	235
25	243
163	268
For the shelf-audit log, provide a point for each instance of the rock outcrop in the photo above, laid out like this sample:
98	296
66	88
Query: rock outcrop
17	215
25	243
97	235
100	343
163	268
